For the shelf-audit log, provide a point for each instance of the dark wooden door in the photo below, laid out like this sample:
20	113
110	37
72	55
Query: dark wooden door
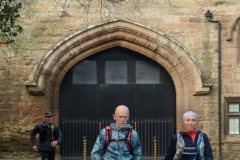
94	87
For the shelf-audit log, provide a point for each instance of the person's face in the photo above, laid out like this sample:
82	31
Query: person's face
48	119
190	122
121	117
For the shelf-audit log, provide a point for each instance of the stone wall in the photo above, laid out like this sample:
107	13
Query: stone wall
46	24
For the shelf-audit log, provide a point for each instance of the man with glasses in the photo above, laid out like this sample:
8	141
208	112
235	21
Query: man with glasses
49	137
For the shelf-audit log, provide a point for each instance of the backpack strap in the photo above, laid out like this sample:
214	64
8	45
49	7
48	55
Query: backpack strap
108	139
179	146
108	136
43	132
52	132
128	140
200	145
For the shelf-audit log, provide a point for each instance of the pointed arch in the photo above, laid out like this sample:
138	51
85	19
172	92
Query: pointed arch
230	37
154	44
179	63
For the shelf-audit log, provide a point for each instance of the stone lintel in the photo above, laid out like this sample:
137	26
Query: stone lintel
231	97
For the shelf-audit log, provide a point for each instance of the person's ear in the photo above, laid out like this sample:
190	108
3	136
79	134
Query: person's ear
114	116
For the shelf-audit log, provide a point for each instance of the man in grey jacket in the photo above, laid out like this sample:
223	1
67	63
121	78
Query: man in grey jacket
50	137
118	149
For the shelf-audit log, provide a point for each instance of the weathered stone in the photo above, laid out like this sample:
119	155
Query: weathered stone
1	141
195	19
233	147
46	24
6	119
4	147
2	99
6	105
26	113
6	73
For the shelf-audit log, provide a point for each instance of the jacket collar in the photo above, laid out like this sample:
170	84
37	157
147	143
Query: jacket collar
113	127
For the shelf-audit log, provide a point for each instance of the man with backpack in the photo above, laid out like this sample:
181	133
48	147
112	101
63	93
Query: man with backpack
49	137
119	141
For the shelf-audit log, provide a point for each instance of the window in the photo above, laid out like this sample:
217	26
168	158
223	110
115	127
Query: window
116	72
233	118
147	73
85	72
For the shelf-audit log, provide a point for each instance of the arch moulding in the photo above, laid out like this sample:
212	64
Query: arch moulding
234	24
156	45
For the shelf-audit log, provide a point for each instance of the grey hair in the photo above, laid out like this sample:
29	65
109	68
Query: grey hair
188	113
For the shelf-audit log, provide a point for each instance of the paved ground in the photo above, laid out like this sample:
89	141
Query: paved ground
14	156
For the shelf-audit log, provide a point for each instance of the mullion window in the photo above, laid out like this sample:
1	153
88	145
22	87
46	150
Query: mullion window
234	107
233	118
233	122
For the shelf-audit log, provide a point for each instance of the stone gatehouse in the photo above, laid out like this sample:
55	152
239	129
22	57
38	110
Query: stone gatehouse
175	35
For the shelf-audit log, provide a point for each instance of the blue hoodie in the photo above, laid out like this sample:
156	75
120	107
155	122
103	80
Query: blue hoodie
117	150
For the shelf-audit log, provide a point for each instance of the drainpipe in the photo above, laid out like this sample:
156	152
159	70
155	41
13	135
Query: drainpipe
209	15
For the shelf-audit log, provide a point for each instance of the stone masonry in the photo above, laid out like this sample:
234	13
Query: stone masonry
175	34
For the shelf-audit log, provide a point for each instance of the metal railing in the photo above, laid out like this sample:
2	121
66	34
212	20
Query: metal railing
79	136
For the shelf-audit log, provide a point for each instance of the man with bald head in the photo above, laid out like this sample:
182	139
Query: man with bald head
117	148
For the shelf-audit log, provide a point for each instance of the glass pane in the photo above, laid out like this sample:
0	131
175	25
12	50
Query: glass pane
147	73
233	107
116	72
85	72
233	125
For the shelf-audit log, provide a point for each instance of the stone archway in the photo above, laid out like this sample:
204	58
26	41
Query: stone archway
233	28
156	45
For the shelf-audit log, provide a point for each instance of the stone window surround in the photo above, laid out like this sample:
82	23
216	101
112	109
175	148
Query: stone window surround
156	45
229	138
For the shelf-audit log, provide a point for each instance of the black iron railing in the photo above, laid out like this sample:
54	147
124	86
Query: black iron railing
80	135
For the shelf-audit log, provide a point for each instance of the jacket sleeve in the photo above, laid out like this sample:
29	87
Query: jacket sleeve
172	149
136	146
34	132
207	148
98	146
59	135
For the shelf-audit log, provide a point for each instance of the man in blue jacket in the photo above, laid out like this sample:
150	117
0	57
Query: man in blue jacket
117	148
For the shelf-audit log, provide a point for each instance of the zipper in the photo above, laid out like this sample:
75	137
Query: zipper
119	146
